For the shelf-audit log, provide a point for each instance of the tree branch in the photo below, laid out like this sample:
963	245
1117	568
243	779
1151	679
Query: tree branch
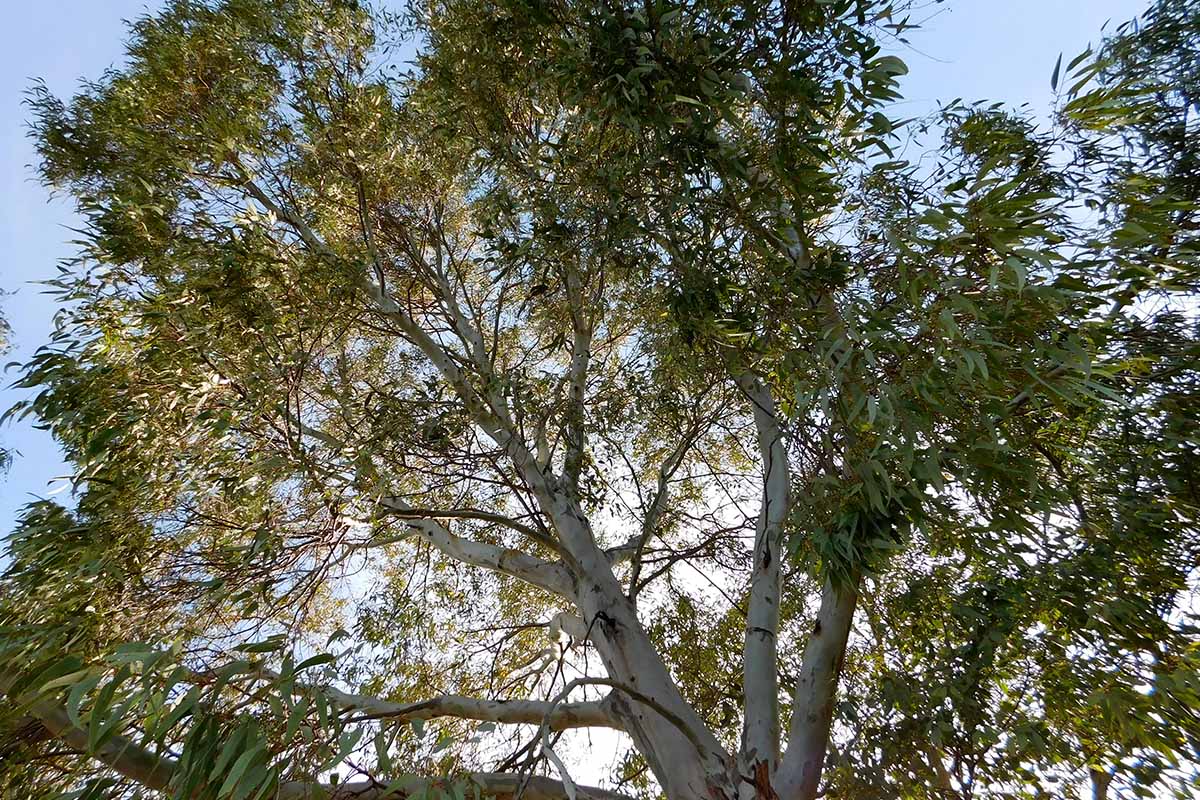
474	513
133	761
531	712
627	651
306	234
544	574
486	408
636	547
1100	780
581	343
118	753
499	785
694	736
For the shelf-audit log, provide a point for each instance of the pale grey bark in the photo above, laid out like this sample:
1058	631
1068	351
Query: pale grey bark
630	658
577	374
626	650
530	712
624	647
557	716
119	753
502	786
398	508
799	774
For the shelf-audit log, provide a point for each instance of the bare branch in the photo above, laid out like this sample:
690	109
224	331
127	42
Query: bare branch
626	649
530	712
581	344
301	228
486	408
545	574
694	736
637	546
473	513
500	785
118	753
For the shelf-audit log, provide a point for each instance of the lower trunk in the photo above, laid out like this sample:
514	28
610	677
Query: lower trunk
799	775
682	752
687	760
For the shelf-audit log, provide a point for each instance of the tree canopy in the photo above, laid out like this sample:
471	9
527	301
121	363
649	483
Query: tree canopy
448	384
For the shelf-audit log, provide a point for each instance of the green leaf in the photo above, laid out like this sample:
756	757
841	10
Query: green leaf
76	696
69	679
890	65
323	658
298	712
271	645
383	756
239	768
181	709
231	750
103	719
258	781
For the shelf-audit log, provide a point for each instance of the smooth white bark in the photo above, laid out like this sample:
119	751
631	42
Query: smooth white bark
799	774
625	649
760	730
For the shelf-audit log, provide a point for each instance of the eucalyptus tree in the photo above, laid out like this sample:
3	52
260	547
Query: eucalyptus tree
618	367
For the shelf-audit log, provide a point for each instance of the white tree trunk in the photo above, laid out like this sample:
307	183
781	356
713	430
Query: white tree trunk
760	730
799	775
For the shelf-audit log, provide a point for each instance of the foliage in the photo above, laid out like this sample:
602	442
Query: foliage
611	352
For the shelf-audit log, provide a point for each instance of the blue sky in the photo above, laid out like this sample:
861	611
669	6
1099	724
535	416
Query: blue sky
1001	50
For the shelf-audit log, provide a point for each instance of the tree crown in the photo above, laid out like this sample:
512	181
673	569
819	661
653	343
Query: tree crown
610	366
